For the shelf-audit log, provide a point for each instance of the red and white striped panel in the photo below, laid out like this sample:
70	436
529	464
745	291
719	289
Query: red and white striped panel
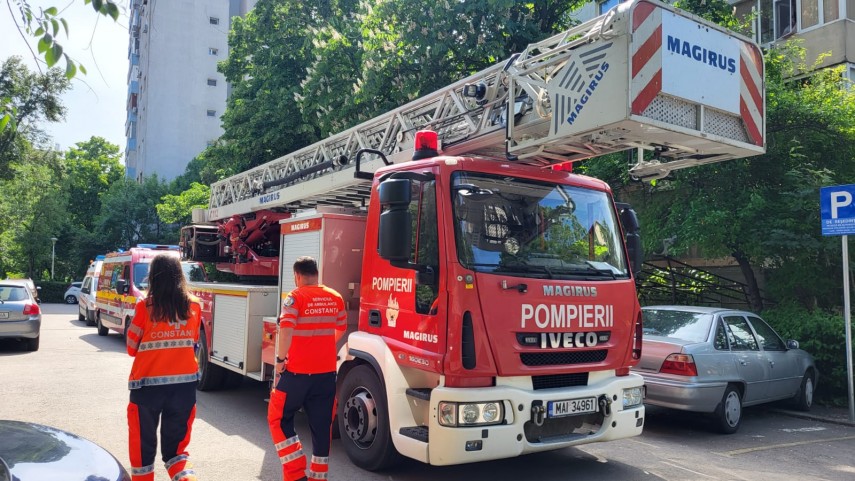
751	92
646	55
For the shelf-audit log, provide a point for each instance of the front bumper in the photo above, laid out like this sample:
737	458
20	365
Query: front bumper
27	329
520	434
687	395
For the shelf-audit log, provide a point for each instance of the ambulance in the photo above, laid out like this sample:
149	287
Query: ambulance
86	303
124	280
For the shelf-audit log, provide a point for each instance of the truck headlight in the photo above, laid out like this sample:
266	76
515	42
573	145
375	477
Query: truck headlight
471	414
632	397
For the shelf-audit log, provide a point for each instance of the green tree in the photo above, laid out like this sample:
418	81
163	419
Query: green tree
128	214
32	210
33	98
396	51
92	167
302	70
177	209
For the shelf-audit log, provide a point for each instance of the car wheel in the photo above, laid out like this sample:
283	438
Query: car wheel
33	344
69	299
210	375
804	398
363	421
729	412
102	331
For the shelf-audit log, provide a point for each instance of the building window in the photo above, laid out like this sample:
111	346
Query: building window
214	20
780	18
606	5
213	51
212	113
212	82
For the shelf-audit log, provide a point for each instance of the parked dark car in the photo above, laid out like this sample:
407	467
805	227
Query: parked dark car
713	360
34	452
20	315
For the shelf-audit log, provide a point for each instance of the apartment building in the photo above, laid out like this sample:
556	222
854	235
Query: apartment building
175	94
823	26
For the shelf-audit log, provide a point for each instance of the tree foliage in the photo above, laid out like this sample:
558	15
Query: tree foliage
32	210
91	168
128	214
303	70
46	25
32	98
177	209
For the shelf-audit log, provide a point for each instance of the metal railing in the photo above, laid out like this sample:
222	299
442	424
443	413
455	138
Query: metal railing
669	281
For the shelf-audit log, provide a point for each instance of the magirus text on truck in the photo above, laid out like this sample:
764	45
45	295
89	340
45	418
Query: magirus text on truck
491	301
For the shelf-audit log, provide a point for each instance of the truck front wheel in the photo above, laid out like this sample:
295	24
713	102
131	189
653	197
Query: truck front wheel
210	375
363	421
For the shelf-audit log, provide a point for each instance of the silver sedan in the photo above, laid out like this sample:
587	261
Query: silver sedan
20	315
713	360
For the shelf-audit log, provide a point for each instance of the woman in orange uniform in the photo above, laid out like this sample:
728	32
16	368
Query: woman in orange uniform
163	378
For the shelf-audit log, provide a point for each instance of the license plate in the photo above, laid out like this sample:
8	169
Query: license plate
571	407
4	315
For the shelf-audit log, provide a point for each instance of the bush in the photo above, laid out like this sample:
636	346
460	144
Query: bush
52	291
822	334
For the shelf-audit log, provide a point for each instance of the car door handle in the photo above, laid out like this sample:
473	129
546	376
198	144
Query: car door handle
772	363
744	363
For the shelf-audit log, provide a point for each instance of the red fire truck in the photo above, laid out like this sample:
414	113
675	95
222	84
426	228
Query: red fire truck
491	296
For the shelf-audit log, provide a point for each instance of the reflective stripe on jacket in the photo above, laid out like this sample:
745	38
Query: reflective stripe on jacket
164	352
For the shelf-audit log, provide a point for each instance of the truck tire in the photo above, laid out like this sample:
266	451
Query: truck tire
210	375
90	318
804	398
102	331
728	415
363	421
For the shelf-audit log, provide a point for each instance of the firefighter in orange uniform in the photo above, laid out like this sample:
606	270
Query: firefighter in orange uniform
312	320
163	377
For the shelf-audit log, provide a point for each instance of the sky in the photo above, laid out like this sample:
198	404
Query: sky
96	102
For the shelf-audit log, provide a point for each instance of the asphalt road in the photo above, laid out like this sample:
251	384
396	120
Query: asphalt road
77	382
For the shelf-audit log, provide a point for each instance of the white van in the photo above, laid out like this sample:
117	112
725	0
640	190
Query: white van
86	300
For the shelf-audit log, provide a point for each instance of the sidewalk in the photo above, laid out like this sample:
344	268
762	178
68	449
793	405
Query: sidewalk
829	414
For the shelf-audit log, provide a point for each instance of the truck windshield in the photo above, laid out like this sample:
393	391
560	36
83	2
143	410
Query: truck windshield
536	229
141	275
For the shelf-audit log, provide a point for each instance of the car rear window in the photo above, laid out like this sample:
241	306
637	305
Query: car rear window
13	293
688	326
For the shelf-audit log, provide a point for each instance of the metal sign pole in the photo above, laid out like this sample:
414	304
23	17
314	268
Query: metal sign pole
847	321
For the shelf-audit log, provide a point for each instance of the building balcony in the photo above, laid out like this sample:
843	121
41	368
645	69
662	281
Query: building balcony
131	145
134	87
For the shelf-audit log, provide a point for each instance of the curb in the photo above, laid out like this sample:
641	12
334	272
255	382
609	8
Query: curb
815	417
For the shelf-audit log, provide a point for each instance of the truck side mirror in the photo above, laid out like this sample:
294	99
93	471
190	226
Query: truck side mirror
632	230
396	224
122	286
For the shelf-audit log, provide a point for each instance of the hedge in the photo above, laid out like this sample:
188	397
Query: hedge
52	291
821	334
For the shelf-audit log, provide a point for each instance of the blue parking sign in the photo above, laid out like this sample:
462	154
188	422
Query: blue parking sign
837	209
